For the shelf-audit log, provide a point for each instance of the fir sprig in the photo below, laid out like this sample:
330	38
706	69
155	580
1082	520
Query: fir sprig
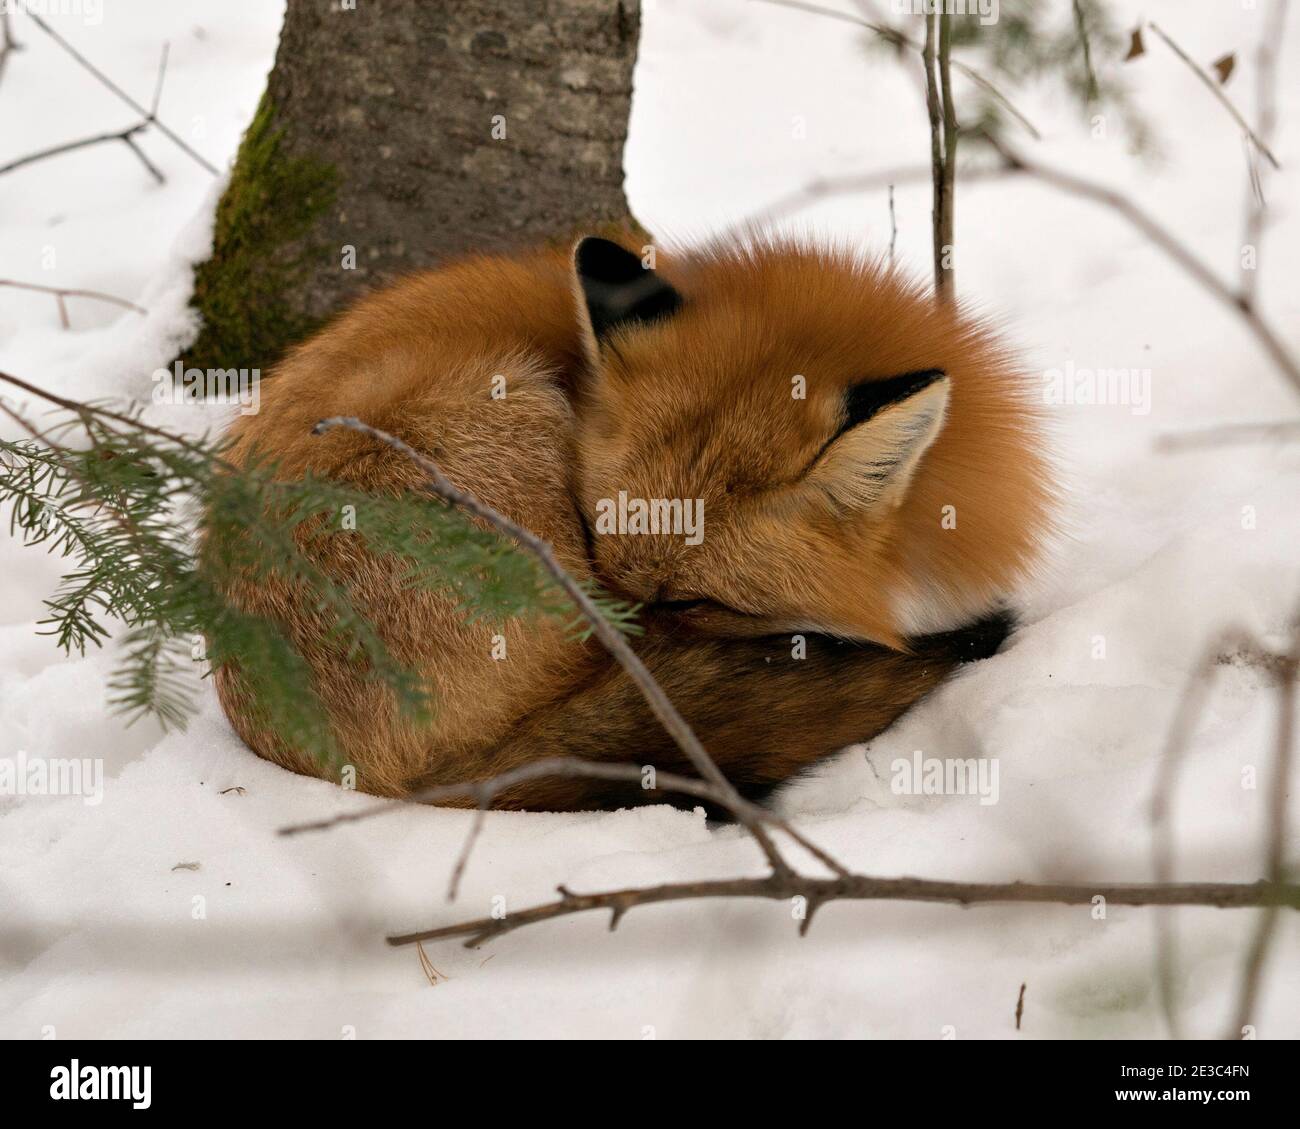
157	528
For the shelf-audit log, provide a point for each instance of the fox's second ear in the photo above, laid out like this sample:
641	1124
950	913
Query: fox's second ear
870	464
615	289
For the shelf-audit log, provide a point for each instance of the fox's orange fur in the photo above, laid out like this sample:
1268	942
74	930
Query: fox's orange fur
922	516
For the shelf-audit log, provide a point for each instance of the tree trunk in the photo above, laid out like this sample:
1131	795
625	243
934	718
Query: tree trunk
396	133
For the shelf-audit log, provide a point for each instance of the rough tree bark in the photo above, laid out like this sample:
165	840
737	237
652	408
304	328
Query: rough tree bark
409	131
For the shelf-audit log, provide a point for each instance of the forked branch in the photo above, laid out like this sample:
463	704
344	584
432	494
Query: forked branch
61	293
1214	88
148	118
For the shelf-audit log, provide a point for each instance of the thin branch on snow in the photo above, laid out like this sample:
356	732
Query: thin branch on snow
483	792
126	136
85	411
816	892
611	639
60	293
148	118
1217	90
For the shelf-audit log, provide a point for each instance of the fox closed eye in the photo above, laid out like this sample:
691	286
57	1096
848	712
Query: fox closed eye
701	604
682	605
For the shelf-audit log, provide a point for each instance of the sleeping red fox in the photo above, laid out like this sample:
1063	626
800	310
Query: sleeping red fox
856	464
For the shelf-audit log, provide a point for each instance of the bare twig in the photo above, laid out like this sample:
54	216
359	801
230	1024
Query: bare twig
1229	433
893	226
818	891
85	411
1275	841
1015	163
1082	28
1215	89
126	136
60	293
483	792
1266	108
947	237
825	188
1195	695
650	690
1020	1006
898	39
1162	238
426	966
8	43
943	146
932	106
1187	714
123	135
148	118
158	82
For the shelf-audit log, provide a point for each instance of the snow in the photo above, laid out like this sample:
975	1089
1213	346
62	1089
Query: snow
101	936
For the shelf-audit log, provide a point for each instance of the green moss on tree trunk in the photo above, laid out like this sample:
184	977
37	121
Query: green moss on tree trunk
265	246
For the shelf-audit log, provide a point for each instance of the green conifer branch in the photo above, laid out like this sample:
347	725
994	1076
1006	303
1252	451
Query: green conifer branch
156	527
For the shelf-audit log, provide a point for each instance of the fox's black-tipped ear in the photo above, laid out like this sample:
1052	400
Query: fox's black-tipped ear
889	426
615	289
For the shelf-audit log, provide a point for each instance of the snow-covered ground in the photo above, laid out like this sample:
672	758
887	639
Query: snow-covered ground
737	103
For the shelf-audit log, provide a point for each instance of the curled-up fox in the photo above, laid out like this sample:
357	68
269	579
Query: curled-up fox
821	485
